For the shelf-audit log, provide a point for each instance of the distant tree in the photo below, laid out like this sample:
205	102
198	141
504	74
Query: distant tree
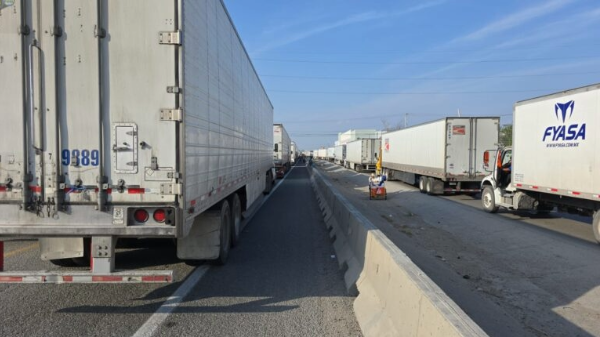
388	127
506	134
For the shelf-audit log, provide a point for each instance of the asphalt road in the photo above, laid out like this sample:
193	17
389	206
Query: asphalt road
281	280
514	274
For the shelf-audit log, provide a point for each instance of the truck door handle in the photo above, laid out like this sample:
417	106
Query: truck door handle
121	148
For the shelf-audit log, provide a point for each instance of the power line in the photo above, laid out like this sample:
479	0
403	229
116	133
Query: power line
412	92
374	117
426	78
404	52
428	62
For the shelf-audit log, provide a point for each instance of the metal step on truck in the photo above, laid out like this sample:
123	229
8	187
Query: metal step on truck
553	158
127	119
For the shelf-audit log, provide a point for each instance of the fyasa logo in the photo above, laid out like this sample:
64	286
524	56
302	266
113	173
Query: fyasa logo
564	133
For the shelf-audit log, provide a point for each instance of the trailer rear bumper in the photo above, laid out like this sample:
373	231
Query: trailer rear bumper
136	276
79	221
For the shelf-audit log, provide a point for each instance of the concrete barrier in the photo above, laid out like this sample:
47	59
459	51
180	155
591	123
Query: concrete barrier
394	297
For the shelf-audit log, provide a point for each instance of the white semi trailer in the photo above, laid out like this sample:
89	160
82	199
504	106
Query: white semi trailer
293	152
322	154
330	154
339	154
443	156
553	158
362	154
281	150
118	128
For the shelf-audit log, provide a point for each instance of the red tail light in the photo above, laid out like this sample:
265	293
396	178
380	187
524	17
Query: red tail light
160	215
140	215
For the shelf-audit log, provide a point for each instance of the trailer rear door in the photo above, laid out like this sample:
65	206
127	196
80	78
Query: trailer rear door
467	139
90	104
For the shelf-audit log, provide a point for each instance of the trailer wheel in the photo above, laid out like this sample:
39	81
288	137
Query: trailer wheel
422	184
596	225
236	219
224	234
429	185
489	200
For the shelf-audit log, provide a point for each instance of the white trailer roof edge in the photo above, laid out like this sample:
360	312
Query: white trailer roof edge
442	119
559	94
246	51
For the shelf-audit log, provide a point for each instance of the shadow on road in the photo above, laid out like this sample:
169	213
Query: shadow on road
284	259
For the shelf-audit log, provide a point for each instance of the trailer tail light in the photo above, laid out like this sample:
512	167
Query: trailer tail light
160	215
140	215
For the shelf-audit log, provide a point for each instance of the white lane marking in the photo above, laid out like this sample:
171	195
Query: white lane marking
155	321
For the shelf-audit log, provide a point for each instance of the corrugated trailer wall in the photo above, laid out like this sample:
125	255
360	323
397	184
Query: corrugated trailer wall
229	118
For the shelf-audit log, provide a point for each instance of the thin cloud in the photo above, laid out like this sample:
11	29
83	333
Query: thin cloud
354	19
514	20
556	33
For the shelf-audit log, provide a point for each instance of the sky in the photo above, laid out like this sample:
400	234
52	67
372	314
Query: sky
336	65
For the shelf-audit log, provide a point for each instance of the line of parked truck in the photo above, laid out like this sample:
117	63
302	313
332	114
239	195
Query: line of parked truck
552	163
138	130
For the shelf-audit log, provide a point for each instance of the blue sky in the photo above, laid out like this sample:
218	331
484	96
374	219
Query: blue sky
330	66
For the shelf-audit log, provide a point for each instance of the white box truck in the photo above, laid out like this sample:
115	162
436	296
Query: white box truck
293	152
553	158
281	150
443	156
137	118
339	154
362	154
330	154
322	153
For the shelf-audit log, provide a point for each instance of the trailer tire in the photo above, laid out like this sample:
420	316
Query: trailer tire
429	185
224	234
488	200
236	219
596	225
422	184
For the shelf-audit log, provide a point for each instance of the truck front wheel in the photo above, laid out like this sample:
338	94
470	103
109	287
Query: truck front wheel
489	200
596	225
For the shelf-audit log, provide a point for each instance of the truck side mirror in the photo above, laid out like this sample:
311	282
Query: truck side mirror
487	166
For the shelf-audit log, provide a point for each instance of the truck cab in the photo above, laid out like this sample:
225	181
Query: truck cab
498	189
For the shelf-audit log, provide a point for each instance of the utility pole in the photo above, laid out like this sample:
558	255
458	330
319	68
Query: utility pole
406	120
458	111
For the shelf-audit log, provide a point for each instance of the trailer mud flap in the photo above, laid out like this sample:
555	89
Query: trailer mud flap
202	242
60	248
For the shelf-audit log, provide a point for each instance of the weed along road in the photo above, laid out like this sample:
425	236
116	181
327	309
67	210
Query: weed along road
282	279
514	275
